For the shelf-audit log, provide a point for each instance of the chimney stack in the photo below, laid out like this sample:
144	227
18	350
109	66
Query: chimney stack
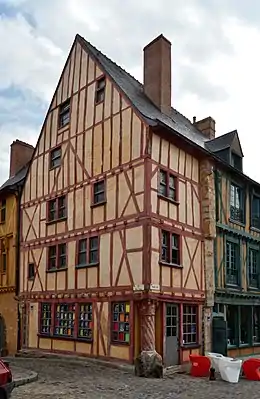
157	73
20	154
206	126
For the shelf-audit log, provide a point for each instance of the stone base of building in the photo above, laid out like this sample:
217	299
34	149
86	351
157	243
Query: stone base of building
149	365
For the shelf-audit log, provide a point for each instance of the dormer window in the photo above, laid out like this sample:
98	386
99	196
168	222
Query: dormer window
236	161
100	90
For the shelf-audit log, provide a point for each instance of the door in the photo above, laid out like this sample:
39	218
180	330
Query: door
2	336
172	336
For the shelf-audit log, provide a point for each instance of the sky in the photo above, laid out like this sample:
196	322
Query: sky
215	59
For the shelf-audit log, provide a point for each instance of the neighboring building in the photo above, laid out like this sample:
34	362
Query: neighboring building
113	241
10	193
237	250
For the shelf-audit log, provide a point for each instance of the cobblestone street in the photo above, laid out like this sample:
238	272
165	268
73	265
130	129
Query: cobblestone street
56	379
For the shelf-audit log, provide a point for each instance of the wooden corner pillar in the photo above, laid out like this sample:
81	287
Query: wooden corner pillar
149	362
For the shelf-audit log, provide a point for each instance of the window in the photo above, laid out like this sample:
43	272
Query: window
64	320
85	329
55	158
57	209
189	324
100	90
255	212
3	258
31	271
236	203
2	211
256	324
253	264
170	250
99	192
64	114
57	257
88	251
245	324
232	325
167	185
232	263
45	321
120	323
236	161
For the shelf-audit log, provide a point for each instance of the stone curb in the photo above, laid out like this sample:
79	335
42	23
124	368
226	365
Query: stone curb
25	380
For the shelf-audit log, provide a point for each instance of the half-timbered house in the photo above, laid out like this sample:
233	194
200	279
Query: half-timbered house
113	238
10	193
237	252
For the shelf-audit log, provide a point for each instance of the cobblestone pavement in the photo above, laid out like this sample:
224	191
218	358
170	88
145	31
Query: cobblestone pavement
92	381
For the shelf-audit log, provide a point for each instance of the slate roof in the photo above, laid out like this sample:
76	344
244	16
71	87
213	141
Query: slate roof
13	182
221	142
134	91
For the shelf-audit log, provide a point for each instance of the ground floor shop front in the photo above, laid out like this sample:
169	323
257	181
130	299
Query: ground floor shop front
113	328
8	322
242	318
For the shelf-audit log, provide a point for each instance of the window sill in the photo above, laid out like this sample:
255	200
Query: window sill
255	344
168	199
173	265
190	346
242	224
3	222
30	278
56	220
65	338
233	286
255	289
120	343
87	265
61	129
93	205
61	269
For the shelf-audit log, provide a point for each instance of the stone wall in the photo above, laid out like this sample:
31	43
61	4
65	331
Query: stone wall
209	229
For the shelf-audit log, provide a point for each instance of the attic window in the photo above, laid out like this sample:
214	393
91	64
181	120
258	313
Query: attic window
100	90
236	161
64	114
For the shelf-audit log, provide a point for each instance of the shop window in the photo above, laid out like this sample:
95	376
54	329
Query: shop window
189	324
256	324
120	322
85	327
45	321
64	320
245	325
232	325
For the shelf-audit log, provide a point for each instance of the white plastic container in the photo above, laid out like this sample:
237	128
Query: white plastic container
214	358
229	369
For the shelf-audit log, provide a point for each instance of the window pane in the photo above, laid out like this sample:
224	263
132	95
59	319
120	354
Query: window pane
165	246
99	187
189	324
46	321
83	245
232	259
93	243
64	320
85	322
232	325
245	324
256	324
172	181
120	322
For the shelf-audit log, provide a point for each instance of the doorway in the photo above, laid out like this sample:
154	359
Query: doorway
172	335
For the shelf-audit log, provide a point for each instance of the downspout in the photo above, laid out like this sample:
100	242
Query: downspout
17	267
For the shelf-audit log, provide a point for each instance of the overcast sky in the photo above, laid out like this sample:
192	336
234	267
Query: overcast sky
215	59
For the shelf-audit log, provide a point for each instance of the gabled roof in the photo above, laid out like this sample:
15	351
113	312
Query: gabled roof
15	181
225	141
134	91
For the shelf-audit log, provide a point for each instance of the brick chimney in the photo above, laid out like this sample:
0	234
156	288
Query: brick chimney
206	126
20	154
157	73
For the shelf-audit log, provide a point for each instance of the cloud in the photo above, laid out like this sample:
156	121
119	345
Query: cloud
215	58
